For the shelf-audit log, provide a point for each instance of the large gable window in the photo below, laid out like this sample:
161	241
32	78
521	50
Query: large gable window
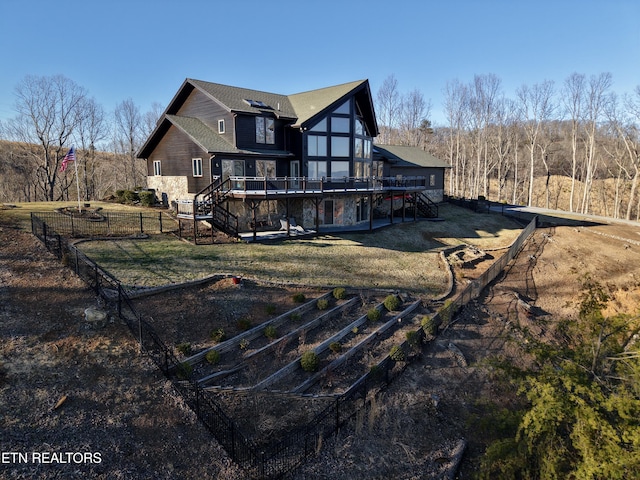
339	146
265	130
317	145
317	170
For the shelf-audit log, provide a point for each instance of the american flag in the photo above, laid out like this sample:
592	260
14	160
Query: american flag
69	157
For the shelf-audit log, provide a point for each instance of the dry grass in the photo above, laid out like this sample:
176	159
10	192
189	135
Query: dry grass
402	257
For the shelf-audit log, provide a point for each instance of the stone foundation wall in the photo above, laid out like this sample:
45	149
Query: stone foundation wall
169	189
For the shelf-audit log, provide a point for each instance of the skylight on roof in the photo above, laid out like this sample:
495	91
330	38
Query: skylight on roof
256	103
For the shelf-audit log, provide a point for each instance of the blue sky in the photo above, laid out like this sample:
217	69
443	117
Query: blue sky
143	50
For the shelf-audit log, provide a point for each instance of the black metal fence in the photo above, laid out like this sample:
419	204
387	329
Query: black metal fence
106	224
275	459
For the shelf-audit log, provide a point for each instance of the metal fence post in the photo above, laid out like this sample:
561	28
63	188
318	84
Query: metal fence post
160	221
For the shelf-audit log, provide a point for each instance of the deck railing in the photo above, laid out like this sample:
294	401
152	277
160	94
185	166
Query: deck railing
302	185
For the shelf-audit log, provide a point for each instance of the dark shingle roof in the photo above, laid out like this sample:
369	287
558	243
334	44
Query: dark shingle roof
308	104
298	108
233	98
408	156
202	134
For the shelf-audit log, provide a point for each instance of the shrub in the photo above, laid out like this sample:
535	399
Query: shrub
244	344
413	339
184	348
335	347
448	311
130	197
295	317
309	361
429	326
270	309
147	198
218	335
374	315
213	357
299	298
339	293
120	195
392	303
184	371
270	332
322	304
243	324
396	354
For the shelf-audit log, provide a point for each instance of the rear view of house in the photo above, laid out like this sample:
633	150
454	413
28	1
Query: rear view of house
244	160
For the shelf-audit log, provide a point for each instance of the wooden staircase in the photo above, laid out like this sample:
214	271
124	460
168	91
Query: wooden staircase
424	205
208	205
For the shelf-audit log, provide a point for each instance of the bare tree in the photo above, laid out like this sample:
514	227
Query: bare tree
128	121
596	99
388	108
48	113
626	126
91	130
414	112
573	98
150	119
484	93
536	108
456	100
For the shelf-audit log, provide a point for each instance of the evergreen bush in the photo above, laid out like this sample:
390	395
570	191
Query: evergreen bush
309	361
392	303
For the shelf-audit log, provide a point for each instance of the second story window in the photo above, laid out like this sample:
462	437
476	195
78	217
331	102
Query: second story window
221	126
197	167
265	130
157	168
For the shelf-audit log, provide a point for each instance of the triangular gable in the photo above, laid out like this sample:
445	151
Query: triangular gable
313	103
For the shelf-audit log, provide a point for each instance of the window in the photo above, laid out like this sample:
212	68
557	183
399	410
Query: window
221	126
266	168
317	145
432	180
157	170
339	146
344	108
197	167
317	170
265	130
358	147
340	125
339	169
321	126
256	103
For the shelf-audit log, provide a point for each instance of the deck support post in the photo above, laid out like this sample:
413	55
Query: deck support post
288	217
371	212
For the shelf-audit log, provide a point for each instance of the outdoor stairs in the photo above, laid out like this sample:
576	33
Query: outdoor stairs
424	205
208	205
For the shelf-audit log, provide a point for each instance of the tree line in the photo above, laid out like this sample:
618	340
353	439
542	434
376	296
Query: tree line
54	113
575	146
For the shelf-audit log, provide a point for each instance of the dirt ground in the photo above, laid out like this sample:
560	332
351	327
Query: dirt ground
115	405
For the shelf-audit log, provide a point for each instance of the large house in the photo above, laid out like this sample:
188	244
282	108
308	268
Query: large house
246	160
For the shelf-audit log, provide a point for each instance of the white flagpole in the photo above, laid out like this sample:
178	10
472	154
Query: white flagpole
77	183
